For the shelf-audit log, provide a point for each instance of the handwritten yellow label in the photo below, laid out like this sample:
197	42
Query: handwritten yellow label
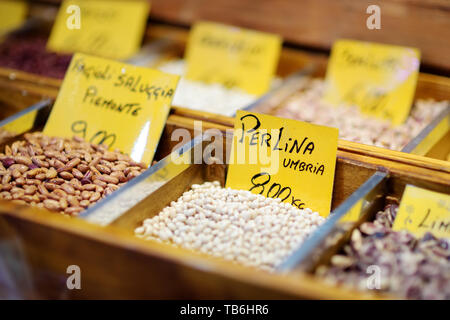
379	79
282	158
232	56
12	15
423	211
110	29
112	103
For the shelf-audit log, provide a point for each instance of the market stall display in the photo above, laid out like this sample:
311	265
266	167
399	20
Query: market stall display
308	105
235	224
26	51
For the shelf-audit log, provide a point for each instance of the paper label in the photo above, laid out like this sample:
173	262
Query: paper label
423	211
12	15
233	57
111	29
282	158
379	79
112	103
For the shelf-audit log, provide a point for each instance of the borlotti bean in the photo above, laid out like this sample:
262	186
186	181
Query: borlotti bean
233	224
406	266
63	175
307	105
206	97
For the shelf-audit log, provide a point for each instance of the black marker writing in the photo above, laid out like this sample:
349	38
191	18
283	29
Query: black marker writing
276	190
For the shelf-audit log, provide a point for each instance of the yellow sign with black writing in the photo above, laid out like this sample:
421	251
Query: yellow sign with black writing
113	103
379	79
232	56
110	29
12	15
282	158
423	211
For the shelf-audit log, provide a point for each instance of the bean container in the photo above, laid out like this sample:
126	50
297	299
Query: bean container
107	251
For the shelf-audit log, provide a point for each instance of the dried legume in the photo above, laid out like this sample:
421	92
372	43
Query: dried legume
234	224
59	174
4	135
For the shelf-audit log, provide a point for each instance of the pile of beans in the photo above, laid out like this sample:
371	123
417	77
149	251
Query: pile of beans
410	267
27	52
308	105
62	175
236	225
206	97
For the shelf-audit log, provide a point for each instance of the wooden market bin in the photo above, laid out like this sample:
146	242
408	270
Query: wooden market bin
381	189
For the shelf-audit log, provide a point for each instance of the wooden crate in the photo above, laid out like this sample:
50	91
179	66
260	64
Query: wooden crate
116	265
428	87
291	61
168	42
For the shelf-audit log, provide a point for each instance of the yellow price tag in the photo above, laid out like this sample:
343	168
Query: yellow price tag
423	211
110	29
379	79
282	158
112	103
232	56
12	15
